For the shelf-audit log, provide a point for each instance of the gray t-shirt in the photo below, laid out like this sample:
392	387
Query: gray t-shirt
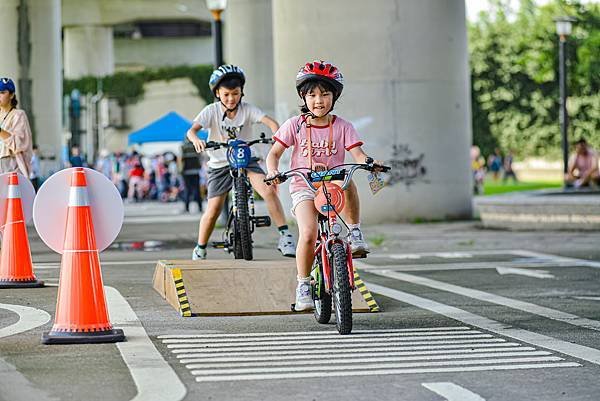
211	118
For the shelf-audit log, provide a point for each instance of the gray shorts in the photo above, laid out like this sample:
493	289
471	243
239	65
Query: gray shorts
220	180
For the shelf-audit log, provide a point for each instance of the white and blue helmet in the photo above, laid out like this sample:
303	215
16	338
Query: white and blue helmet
225	71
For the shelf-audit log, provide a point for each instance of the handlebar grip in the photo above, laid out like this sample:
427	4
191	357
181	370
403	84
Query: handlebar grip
369	160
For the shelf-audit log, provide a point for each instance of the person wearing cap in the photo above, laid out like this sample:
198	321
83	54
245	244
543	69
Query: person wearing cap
227	118
15	134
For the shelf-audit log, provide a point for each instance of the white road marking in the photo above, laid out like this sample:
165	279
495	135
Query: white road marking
524	272
421	349
216	343
589	298
452	392
560	259
304	336
496	299
575	350
326	368
29	318
203	365
465	265
377	372
453	255
232	357
263	356
294	334
153	377
292	347
56	265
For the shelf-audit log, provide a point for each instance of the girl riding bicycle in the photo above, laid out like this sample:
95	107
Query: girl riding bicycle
230	118
319	141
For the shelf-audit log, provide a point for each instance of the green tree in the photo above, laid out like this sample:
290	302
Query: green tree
514	79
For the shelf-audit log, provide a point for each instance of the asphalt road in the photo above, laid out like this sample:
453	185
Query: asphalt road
468	314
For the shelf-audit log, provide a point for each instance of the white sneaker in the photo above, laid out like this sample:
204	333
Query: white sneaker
199	253
304	299
358	245
287	244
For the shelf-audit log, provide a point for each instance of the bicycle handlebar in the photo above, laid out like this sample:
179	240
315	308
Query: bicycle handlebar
369	166
216	145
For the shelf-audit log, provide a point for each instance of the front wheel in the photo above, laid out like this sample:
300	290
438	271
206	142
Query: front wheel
321	298
243	217
342	293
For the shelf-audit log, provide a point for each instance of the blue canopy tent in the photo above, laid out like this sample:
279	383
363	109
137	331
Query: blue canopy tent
171	127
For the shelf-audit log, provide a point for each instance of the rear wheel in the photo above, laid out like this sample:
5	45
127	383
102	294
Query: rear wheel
342	293
321	298
243	217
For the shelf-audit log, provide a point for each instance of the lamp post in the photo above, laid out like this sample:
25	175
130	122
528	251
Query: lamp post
216	7
563	29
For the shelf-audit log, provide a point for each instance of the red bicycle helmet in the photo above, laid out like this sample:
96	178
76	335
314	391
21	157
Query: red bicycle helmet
322	71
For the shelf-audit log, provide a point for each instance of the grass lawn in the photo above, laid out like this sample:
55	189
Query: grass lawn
492	187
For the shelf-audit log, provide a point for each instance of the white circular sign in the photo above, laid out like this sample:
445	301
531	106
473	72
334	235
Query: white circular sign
27	196
52	201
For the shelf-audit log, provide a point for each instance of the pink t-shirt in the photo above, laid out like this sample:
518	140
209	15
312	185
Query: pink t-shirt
293	133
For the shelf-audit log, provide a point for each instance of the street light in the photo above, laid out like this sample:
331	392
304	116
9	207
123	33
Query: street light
216	7
563	29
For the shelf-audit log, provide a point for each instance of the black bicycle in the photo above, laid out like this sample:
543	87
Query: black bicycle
241	221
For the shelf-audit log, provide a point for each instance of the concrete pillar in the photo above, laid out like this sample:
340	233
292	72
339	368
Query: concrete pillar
31	55
249	43
407	91
88	50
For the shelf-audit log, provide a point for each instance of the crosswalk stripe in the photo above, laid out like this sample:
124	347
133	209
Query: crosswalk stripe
335	335
334	351
327	368
340	355
324	362
346	340
396	371
302	346
315	333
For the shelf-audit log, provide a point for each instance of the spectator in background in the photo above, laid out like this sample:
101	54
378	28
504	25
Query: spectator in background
190	170
495	163
34	175
136	178
76	160
15	134
508	167
104	164
478	169
583	166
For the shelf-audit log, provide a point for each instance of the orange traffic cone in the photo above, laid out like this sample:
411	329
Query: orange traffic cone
81	312
16	270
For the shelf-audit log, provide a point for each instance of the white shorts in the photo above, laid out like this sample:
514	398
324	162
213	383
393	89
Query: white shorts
301	196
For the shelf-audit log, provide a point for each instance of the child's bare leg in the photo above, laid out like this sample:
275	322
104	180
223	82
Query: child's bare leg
351	212
209	218
306	214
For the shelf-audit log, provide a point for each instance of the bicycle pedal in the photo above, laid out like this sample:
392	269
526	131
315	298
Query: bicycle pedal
262	221
219	245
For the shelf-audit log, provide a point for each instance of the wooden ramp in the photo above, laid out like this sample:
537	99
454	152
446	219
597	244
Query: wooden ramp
237	287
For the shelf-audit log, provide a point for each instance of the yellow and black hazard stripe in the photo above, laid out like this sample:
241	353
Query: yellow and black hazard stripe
184	304
366	294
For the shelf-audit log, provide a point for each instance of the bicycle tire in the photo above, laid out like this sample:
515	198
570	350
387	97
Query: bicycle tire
322	299
243	217
342	293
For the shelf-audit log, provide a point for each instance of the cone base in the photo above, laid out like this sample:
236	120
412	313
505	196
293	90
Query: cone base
61	337
21	284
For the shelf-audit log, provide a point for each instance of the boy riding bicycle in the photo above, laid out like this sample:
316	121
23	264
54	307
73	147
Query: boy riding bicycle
318	140
229	118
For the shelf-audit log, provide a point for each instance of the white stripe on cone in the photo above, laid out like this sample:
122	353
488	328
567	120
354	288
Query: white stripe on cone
78	196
